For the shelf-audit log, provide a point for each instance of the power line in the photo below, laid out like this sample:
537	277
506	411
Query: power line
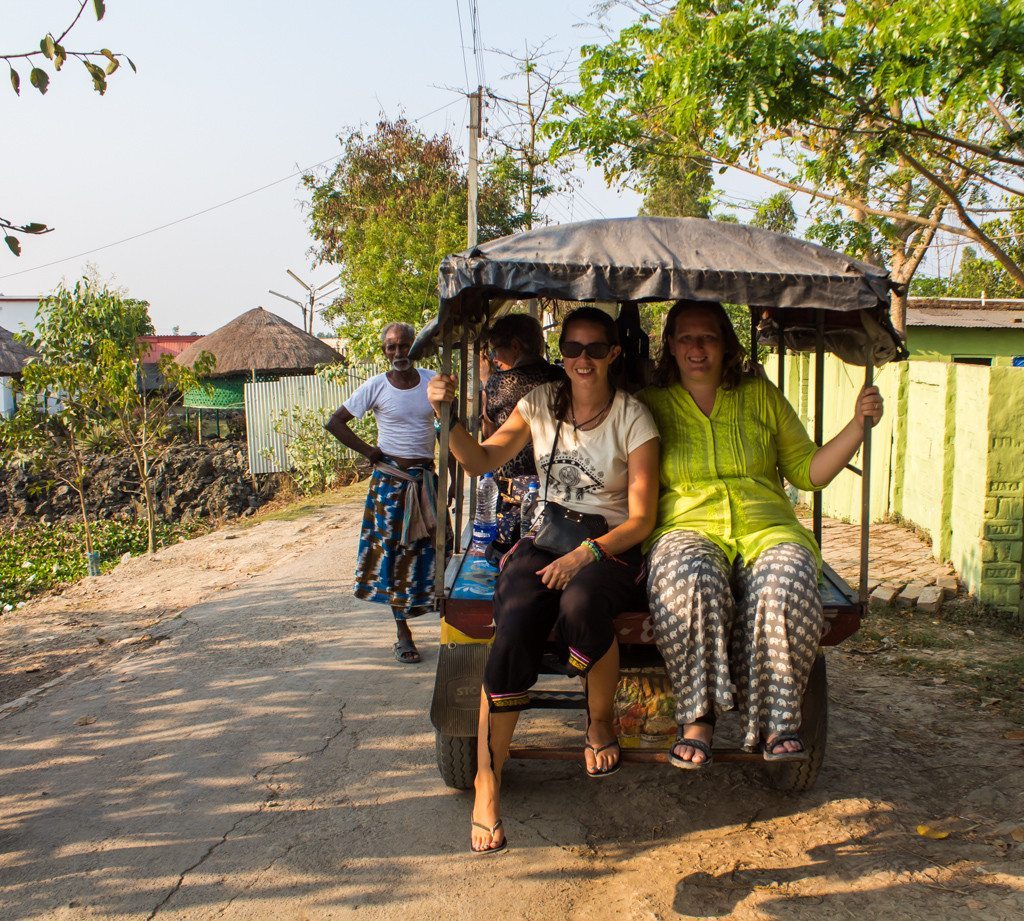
478	44
462	41
201	212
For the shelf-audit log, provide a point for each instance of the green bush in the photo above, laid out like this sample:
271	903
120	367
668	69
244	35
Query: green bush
313	453
40	557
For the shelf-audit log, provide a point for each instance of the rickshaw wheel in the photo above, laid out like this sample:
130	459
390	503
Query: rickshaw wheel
456	760
800	776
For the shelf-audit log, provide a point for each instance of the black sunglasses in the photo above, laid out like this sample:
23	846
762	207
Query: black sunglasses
597	350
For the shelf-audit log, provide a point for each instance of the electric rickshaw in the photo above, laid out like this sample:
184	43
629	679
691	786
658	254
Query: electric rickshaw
801	298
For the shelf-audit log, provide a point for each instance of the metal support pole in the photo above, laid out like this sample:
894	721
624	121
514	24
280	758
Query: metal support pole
819	410
782	359
475	422
865	495
464	412
442	474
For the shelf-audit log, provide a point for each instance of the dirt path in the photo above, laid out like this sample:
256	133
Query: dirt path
262	756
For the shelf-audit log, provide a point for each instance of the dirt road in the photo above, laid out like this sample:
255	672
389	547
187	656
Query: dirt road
261	755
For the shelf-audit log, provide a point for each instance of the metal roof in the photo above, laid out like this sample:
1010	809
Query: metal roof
966	313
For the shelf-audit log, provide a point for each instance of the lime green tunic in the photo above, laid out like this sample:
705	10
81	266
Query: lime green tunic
720	475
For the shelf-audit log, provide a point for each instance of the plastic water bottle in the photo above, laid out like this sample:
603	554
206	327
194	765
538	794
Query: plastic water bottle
485	524
528	506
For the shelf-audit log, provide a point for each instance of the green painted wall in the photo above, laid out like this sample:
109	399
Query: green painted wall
1003	533
948	456
970	459
931	343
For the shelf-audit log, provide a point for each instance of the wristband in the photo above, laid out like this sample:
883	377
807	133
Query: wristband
595	548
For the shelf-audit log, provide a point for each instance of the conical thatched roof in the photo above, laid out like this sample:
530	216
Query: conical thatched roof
260	341
13	354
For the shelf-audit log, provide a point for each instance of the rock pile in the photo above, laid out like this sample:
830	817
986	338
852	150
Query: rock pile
190	481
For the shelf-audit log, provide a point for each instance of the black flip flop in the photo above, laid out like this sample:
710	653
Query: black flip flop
685	765
769	755
487	851
607	772
402	647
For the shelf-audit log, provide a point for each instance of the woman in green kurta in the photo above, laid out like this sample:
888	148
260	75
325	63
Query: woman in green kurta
732	574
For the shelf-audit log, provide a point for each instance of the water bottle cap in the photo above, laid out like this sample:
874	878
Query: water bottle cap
488	476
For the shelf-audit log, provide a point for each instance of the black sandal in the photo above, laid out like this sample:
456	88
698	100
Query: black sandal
769	755
406	652
691	765
616	764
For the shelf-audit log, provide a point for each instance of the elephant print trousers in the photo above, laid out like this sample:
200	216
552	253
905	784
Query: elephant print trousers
736	636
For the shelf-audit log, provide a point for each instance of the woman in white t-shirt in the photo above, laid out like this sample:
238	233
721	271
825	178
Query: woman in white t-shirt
605	460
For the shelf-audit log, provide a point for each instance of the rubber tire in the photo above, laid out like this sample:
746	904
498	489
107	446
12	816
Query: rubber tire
456	760
800	776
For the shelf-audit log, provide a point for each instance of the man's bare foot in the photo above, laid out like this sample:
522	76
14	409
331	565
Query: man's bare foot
702	732
600	734
486	832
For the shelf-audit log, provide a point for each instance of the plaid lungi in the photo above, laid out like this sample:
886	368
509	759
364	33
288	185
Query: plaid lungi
388	571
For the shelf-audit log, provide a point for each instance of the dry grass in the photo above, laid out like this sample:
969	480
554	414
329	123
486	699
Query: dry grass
968	647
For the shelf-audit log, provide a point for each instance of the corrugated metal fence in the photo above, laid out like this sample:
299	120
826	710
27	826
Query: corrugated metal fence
265	403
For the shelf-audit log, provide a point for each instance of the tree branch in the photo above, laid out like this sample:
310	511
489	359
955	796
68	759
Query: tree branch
972	230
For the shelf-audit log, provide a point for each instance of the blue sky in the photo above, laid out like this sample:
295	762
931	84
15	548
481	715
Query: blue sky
230	97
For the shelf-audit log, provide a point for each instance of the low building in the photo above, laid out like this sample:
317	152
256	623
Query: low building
256	346
13	356
158	346
976	331
18	313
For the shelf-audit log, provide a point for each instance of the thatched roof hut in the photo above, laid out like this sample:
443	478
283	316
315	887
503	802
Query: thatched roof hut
260	343
13	355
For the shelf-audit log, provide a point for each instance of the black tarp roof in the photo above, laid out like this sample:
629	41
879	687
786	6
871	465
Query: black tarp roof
654	259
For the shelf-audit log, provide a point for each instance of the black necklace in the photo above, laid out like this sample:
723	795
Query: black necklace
576	426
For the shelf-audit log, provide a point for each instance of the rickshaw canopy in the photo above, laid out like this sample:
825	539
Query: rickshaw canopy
660	259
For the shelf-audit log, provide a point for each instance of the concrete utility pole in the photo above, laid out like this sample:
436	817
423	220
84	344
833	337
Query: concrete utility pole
309	307
475	120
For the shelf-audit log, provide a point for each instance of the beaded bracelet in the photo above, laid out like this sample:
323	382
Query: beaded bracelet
595	548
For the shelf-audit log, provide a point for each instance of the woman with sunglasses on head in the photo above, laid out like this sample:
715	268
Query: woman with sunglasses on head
596	452
732	574
518	366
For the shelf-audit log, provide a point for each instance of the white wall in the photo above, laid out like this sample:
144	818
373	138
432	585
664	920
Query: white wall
18	313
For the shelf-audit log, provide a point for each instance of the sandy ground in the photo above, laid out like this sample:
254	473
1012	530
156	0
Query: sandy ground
242	745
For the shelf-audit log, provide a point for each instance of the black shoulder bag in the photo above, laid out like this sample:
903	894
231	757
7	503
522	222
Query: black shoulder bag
561	529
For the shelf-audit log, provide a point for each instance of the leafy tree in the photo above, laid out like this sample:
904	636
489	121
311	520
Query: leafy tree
387	214
677	187
777	213
890	114
100	65
524	164
977	275
89	359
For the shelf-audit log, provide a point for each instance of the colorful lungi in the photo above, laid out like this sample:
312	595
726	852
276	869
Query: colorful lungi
388	570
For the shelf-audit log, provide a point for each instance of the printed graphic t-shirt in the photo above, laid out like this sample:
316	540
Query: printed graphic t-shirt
589	472
405	419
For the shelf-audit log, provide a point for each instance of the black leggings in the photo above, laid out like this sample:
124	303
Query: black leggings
526	612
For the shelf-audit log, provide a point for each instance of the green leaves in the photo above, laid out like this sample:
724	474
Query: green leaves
893	110
15	81
40	79
48	46
13	244
99	78
392	208
100	9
